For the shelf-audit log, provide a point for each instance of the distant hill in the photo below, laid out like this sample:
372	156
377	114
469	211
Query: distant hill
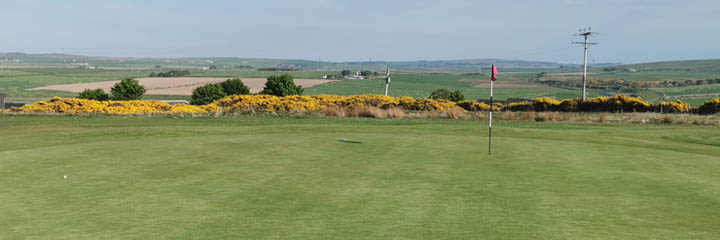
708	65
66	60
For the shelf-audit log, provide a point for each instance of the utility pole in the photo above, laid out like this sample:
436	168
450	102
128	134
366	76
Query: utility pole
387	80
586	33
493	78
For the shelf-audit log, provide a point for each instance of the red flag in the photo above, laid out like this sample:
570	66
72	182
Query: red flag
494	73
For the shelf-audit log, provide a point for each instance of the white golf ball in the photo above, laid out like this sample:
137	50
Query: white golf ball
65	177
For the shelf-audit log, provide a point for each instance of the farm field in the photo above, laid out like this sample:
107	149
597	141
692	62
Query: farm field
180	86
18	84
658	76
422	85
262	177
514	83
694	95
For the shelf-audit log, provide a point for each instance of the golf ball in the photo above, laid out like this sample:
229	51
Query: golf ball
65	177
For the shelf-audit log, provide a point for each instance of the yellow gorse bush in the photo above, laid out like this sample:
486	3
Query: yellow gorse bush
710	107
234	103
470	105
523	106
75	105
320	102
673	107
618	103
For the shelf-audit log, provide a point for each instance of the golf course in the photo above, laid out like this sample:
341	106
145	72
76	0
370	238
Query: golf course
311	177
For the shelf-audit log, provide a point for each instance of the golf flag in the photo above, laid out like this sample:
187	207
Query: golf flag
494	73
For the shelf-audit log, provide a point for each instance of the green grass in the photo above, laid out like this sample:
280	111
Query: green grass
693	95
422	85
16	83
690	90
659	76
290	178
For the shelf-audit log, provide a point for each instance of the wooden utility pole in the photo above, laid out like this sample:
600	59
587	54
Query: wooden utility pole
387	81
493	78
586	33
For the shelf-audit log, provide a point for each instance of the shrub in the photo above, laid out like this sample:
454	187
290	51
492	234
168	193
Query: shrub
528	116
171	73
96	94
710	107
207	94
569	105
75	106
457	96
440	94
445	94
395	112
672	107
546	104
432	114
334	112
524	106
373	112
128	89
509	116
234	87
455	113
603	118
281	85
498	106
470	105
617	103
666	119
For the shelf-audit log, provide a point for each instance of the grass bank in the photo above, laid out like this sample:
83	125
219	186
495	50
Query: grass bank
291	178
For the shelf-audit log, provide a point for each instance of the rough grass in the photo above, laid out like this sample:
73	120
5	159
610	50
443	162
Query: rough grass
290	178
639	118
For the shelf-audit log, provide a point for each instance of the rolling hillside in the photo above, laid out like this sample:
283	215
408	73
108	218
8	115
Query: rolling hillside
64	60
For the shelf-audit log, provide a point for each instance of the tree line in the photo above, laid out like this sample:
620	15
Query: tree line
130	89
171	73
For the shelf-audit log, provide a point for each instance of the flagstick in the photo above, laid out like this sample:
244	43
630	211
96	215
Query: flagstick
491	118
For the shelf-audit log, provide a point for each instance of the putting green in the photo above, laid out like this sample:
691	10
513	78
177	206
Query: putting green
291	178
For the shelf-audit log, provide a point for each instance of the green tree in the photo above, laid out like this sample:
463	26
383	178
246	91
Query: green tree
128	89
366	73
456	96
234	87
281	85
345	73
94	94
207	94
445	94
440	94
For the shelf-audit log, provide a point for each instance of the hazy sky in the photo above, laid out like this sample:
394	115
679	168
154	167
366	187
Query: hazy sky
337	30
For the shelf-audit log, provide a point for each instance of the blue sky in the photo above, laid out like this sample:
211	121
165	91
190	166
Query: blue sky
337	30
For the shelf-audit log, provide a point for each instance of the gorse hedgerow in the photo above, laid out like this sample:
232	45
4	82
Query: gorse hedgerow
234	103
76	105
617	103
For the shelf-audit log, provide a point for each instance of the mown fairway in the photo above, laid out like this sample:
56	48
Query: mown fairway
290	178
